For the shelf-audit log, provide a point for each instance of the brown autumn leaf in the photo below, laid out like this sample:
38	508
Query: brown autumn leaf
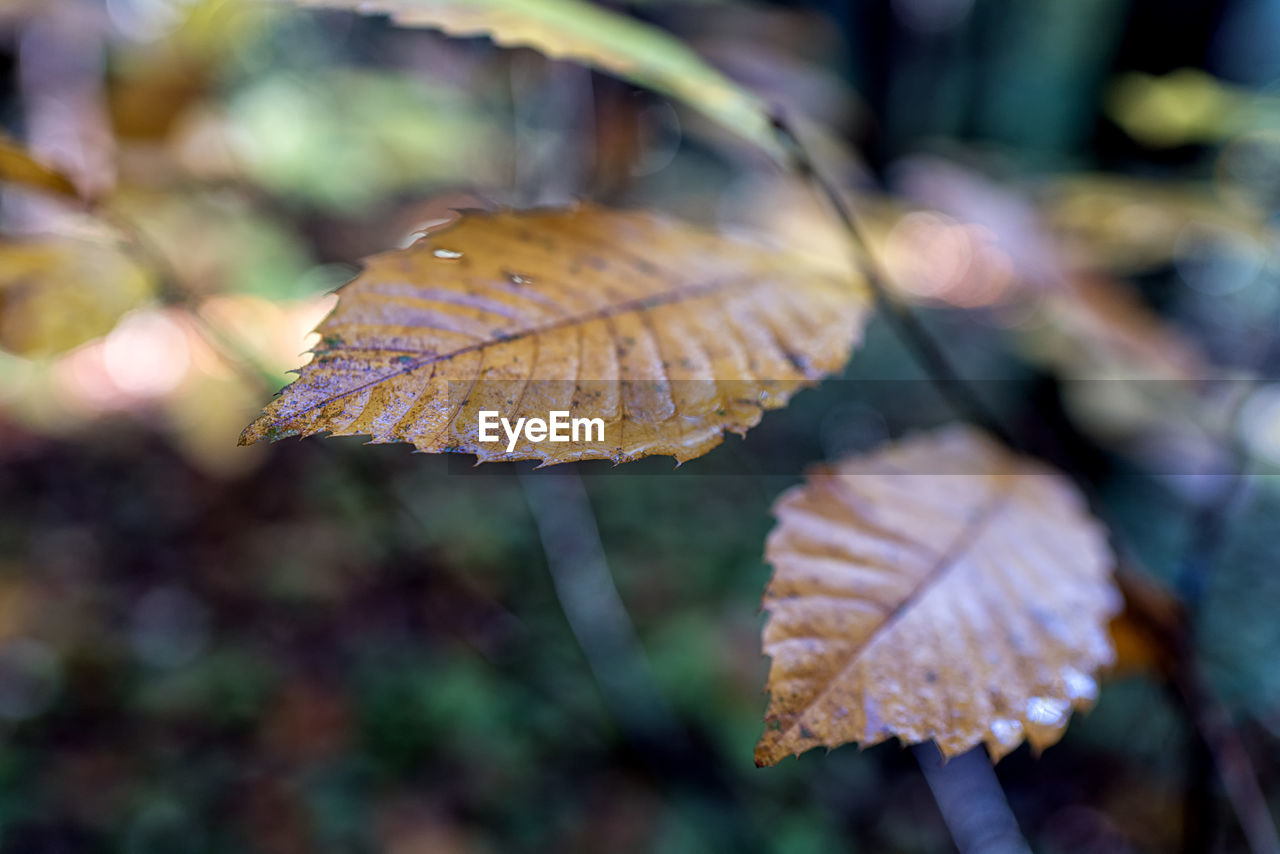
56	293
19	167
1125	226
1099	327
1132	378
942	588
668	334
1129	375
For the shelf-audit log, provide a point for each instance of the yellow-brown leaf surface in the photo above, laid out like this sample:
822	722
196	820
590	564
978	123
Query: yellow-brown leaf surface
56	293
19	167
941	588
668	334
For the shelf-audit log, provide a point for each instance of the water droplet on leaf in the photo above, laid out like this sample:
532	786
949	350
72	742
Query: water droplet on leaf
1048	711
1079	686
1007	731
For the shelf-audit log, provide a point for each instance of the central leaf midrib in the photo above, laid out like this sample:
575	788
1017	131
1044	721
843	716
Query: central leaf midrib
637	305
947	561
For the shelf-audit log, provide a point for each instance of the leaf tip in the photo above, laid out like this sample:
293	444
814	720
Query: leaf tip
765	757
260	429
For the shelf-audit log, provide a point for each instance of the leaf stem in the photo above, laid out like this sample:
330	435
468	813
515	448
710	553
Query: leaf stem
954	388
598	618
591	602
971	801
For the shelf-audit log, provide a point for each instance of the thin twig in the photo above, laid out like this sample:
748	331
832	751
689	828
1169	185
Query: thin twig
599	621
591	602
908	326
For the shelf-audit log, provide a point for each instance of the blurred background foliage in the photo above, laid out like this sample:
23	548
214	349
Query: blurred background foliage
321	646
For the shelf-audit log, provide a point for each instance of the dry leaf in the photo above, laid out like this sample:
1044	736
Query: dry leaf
586	33
669	334
1132	379
1185	107
941	588
1125	225
1101	328
19	167
57	293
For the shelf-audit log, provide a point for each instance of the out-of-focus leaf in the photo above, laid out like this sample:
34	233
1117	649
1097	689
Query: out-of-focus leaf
196	379
668	333
941	588
217	244
19	167
1130	375
151	90
207	410
147	99
17	9
58	293
1187	106
584	32
1104	331
1127	225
